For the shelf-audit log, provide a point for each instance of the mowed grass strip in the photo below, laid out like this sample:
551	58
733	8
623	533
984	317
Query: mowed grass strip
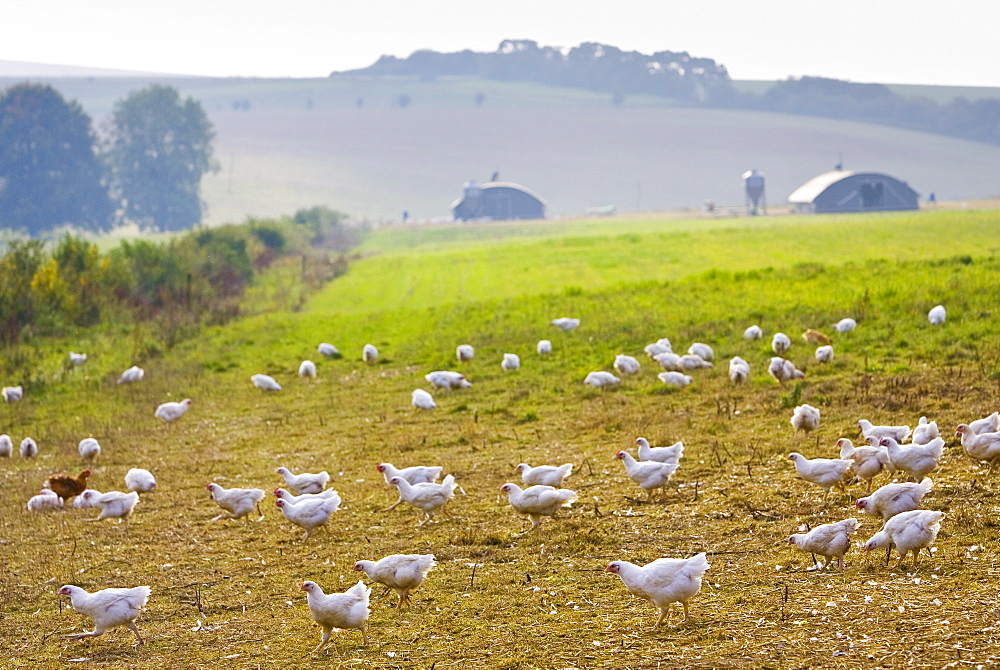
497	599
420	268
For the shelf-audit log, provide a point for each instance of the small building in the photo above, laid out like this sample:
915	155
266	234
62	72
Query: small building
497	200
852	191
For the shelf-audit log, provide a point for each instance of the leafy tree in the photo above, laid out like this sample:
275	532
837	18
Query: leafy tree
159	149
50	175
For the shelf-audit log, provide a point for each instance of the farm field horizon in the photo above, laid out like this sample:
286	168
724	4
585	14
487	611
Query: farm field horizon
283	144
227	592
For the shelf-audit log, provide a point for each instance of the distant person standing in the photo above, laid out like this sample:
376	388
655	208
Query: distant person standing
932	199
406	216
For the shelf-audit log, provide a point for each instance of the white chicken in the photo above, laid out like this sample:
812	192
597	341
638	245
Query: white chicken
823	472
421	399
868	461
937	315
6	446
829	540
141	480
649	475
345	611
669	361
546	475
654	349
114	505
132	375
543	347
12	393
783	370
869	430
693	362
780	343
982	447
399	572
109	608
908	532
739	370
538	500
702	350
989	424
237	502
671	454
307	369
171	411
427	497
29	448
288	496
565	323
328	350
44	501
448	379
305	482
627	365
845	325
916	460
893	499
805	418
678	379
510	362
924	431
464	353
265	382
824	354
309	513
664	581
369	354
753	332
600	379
87	498
77	359
415	474
89	449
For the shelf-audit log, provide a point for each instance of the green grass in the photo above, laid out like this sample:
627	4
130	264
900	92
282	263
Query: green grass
540	600
425	267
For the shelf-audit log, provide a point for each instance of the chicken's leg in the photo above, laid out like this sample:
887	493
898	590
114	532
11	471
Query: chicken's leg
326	638
393	505
135	629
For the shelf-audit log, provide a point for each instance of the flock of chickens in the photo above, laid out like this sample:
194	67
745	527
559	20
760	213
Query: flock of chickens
307	503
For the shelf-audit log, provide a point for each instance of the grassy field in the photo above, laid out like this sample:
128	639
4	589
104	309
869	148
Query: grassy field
284	144
226	593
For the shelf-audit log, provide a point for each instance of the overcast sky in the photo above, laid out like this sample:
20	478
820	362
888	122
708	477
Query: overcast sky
890	41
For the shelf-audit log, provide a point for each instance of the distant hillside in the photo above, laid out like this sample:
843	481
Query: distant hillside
21	69
701	82
285	144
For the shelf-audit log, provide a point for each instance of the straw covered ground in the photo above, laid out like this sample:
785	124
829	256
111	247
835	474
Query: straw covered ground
226	593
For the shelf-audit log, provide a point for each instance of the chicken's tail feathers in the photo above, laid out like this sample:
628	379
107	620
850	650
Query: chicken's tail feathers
449	482
699	561
567	497
566	469
258	495
925	485
334	501
360	591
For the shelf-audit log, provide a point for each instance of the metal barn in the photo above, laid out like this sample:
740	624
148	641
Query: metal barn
851	191
497	200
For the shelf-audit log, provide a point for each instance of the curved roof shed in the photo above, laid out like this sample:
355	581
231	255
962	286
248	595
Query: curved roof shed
851	191
497	200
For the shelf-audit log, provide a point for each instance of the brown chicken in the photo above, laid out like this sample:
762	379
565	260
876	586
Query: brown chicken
815	337
65	486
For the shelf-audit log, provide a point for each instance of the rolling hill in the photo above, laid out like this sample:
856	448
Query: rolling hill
283	144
